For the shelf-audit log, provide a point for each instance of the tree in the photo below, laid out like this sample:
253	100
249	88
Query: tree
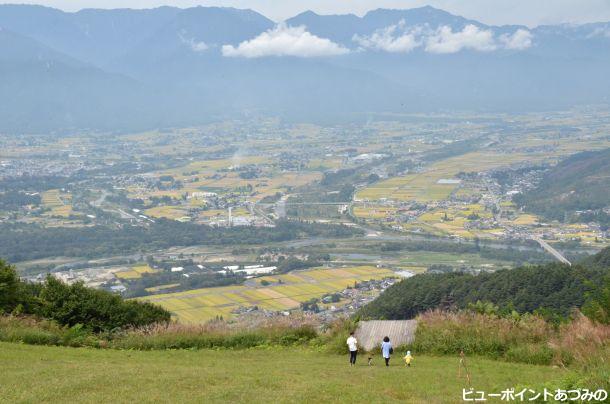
9	287
597	305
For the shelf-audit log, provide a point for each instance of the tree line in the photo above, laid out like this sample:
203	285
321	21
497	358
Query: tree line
19	242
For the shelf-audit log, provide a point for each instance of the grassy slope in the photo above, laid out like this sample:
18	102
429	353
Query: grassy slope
52	374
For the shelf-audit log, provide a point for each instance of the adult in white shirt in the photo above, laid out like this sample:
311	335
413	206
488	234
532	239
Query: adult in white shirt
352	344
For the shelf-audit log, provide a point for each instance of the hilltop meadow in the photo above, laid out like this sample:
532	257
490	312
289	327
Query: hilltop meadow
253	375
69	340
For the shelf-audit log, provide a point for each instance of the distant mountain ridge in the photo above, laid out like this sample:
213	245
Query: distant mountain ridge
169	66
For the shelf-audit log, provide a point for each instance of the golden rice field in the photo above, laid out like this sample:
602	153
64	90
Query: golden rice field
135	273
200	305
51	198
456	220
58	202
168	212
213	175
373	212
526	220
210	166
425	186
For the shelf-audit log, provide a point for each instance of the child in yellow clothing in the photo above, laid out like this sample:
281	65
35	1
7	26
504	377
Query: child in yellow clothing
408	358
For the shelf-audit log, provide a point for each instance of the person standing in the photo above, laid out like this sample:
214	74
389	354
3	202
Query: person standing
408	359
352	344
386	350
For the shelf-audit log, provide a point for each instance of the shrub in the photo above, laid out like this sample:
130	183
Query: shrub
95	309
581	341
39	337
482	334
336	336
533	354
218	334
75	304
29	331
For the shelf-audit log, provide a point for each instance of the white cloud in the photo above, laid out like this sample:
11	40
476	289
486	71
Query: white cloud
399	38
521	39
444	40
394	39
196	46
600	32
285	41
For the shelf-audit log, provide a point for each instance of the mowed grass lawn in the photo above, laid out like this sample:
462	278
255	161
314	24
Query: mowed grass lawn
57	374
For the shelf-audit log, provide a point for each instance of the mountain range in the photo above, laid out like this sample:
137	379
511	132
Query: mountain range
123	69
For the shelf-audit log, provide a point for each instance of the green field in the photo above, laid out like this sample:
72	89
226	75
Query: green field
33	374
427	258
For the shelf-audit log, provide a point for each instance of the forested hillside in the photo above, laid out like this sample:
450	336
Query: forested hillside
552	289
578	183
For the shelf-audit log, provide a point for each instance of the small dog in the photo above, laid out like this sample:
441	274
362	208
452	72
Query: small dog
370	360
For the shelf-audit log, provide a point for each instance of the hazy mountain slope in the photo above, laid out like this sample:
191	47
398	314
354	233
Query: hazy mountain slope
45	89
342	28
172	70
561	66
20	49
578	183
94	36
193	34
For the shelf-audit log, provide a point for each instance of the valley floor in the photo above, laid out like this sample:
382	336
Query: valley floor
56	374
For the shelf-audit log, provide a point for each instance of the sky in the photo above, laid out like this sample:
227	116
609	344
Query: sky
496	12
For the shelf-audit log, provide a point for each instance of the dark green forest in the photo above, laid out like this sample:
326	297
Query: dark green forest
552	290
12	200
20	242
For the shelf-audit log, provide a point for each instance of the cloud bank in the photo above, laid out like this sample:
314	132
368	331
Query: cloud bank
393	39
603	32
519	40
285	41
196	46
400	38
444	40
